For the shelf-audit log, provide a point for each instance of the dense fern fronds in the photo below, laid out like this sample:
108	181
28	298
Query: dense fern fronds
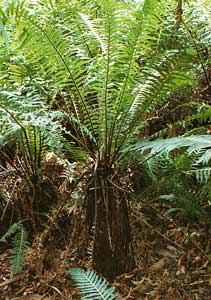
93	58
20	246
29	142
34	134
199	147
93	286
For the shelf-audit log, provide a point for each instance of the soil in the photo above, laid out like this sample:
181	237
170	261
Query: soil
172	262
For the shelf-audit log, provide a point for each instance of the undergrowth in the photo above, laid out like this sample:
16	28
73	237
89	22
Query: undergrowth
20	245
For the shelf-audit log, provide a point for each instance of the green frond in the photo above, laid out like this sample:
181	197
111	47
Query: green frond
20	246
94	32
24	99
34	135
92	285
202	174
199	145
194	143
205	155
12	230
112	62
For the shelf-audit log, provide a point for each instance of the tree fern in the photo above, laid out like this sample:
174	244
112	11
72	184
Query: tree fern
111	80
88	62
93	286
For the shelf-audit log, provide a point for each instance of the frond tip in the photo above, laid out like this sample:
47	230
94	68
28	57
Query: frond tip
93	286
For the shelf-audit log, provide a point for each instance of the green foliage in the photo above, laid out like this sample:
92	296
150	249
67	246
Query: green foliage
179	185
95	62
93	286
202	174
174	186
195	144
20	246
197	147
30	137
14	228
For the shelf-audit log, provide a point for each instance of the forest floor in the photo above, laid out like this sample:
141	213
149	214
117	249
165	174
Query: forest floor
172	262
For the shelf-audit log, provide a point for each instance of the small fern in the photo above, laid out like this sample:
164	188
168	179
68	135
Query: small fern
93	286
20	245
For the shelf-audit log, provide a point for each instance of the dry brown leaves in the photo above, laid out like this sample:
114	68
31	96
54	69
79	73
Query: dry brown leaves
172	264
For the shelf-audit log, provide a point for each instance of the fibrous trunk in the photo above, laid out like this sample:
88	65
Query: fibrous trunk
107	213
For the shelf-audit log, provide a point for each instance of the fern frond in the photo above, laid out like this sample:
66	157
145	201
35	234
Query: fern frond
92	285
201	174
194	144
12	230
20	246
94	32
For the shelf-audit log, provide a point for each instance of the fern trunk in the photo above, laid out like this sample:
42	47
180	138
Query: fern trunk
107	211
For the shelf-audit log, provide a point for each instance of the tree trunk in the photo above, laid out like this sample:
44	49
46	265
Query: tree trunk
107	213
